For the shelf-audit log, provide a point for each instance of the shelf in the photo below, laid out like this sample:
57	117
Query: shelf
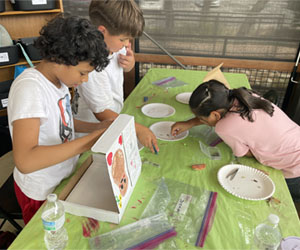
22	61
12	13
20	24
3	112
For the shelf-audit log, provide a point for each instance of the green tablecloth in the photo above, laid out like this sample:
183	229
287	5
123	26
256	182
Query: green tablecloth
235	218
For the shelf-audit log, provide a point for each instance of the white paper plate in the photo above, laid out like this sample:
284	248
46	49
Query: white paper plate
184	97
248	183
162	131
158	110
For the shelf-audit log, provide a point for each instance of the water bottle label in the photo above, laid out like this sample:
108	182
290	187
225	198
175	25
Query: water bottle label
52	225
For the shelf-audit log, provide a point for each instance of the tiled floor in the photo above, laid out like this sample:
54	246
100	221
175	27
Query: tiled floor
7	165
9	227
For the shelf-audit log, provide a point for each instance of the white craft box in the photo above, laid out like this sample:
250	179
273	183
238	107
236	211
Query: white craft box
102	186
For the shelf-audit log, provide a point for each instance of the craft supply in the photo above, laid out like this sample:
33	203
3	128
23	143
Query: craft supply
273	200
145	161
198	166
232	174
154	149
145	100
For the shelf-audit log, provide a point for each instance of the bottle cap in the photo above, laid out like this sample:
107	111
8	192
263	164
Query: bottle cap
273	218
289	243
51	197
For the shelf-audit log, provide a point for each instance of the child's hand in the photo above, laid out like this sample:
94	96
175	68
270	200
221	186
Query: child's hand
179	127
127	61
147	138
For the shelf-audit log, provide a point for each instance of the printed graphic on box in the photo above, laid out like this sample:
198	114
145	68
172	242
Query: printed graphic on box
115	159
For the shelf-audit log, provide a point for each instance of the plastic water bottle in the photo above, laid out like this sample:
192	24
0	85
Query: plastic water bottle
53	217
267	236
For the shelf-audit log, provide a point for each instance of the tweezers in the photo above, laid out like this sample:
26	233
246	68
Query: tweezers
232	174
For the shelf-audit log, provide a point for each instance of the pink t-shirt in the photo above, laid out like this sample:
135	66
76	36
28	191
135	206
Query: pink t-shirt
273	140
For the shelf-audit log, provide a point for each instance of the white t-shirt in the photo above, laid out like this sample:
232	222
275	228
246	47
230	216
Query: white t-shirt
33	96
104	90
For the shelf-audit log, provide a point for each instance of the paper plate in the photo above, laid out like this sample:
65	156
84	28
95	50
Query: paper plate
290	243
158	110
162	131
184	97
248	183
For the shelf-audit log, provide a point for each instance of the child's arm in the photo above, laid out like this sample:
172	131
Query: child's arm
107	114
29	156
88	127
180	127
127	61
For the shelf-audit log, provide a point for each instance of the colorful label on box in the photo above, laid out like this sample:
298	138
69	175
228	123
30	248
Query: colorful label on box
38	2
4	102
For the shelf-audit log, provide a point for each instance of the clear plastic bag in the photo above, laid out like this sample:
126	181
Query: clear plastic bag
143	234
189	209
211	152
169	82
206	133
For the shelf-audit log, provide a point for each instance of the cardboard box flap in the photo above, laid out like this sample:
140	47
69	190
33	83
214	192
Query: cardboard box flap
119	144
217	74
104	142
94	187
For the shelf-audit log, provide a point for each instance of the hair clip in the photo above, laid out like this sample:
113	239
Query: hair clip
206	98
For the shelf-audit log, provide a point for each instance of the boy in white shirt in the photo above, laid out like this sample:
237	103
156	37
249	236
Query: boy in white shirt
101	97
39	111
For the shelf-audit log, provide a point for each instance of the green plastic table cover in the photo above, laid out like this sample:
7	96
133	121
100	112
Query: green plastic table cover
235	218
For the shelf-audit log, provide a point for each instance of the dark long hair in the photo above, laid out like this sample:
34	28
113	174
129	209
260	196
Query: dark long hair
213	95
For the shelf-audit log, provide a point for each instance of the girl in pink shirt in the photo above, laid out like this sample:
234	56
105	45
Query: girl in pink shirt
250	125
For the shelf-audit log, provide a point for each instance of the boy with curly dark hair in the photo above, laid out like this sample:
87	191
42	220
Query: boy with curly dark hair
39	113
102	97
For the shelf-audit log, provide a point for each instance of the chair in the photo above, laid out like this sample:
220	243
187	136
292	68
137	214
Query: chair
9	207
